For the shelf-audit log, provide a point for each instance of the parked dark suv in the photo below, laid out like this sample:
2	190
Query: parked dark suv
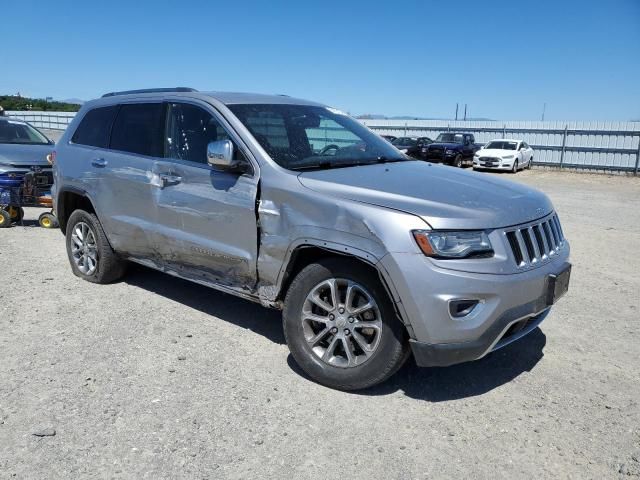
455	149
292	204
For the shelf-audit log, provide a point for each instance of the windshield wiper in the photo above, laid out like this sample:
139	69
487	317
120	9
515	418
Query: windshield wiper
383	159
315	166
326	165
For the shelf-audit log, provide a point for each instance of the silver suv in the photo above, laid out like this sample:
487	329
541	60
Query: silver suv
371	255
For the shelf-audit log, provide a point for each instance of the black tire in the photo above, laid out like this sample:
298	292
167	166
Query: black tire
514	169
392	349
48	220
458	161
16	213
529	164
110	267
5	219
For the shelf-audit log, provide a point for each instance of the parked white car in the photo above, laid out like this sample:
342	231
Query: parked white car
504	154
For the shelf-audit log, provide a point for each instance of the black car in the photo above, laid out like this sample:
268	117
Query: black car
389	138
412	146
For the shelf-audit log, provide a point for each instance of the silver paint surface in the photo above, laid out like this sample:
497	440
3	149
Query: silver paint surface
237	233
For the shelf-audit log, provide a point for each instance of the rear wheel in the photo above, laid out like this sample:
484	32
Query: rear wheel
5	219
341	327
16	213
48	220
529	163
90	255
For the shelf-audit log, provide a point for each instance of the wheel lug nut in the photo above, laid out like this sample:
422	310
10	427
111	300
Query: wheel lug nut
346	331
341	310
331	316
334	330
351	320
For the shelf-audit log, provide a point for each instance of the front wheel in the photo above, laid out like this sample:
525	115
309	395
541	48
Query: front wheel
514	169
90	255
458	161
341	327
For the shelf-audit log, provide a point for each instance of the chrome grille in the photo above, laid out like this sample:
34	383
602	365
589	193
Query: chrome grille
534	243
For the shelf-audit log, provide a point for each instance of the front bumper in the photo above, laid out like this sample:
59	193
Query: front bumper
495	165
510	327
509	306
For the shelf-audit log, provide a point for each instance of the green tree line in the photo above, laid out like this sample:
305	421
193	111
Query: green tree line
12	102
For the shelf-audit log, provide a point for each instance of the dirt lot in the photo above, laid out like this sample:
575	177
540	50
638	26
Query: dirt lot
154	377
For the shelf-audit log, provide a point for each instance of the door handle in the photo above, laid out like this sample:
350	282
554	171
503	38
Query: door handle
99	162
169	179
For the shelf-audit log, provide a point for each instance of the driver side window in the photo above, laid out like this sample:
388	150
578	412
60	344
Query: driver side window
188	132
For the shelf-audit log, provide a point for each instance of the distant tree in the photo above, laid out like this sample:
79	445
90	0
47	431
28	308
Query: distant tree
13	102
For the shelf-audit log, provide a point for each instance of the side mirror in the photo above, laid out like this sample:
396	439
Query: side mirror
220	155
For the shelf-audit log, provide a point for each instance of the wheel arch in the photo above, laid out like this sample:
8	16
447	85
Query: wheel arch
70	199
307	252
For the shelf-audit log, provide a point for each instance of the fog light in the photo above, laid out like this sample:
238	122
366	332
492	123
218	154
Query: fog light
462	308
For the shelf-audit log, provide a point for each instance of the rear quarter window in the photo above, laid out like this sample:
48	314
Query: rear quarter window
94	128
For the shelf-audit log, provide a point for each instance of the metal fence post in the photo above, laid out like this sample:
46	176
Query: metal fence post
635	170
564	144
405	129
504	131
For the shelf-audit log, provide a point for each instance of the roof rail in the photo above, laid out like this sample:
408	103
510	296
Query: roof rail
150	90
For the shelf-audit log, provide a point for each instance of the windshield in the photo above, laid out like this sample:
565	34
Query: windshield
405	141
301	137
449	138
501	145
12	131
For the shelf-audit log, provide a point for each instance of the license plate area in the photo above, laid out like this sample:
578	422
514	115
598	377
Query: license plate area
558	284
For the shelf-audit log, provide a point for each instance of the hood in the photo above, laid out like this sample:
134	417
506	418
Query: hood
446	145
24	156
444	197
495	152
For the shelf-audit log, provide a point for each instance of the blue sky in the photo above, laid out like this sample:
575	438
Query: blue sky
503	58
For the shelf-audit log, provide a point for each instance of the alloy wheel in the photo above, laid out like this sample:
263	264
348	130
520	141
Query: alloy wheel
84	249
341	323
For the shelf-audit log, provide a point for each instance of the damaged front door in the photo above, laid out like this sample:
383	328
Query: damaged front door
207	216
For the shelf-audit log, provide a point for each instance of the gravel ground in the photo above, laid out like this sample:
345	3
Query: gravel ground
155	377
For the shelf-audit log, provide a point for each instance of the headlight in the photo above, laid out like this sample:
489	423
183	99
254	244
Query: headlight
508	157
452	244
449	152
403	150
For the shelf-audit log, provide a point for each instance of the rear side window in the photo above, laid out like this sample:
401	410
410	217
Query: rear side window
94	128
138	128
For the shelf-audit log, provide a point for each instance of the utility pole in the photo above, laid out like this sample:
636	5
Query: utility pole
544	109
465	112
456	111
